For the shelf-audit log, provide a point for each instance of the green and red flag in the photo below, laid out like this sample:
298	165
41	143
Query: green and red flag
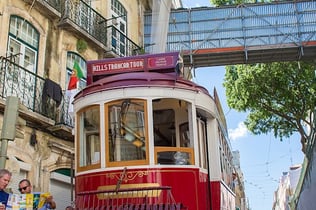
76	75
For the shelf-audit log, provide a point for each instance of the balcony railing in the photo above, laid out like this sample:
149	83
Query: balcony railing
56	4
78	15
86	18
120	44
17	81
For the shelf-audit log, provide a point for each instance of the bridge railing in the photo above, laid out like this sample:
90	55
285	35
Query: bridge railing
246	26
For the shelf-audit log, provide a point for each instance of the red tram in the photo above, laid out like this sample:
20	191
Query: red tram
147	138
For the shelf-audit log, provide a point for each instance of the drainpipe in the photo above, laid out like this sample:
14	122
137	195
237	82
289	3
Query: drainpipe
72	178
10	120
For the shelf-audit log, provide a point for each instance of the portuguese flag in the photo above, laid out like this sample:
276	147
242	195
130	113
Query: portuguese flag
76	75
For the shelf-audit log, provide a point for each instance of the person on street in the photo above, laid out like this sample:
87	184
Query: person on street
5	177
26	187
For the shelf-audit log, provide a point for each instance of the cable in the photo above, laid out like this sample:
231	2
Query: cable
290	151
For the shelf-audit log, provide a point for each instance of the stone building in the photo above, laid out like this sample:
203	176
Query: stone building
41	40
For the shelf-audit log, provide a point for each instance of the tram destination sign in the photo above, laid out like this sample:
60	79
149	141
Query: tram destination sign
162	62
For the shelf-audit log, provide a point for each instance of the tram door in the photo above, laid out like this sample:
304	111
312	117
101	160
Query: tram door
203	160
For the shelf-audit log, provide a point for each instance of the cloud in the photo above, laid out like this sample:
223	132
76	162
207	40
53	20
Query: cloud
238	132
196	3
191	6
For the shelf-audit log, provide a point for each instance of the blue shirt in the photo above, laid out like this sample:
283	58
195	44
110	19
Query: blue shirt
4	197
46	206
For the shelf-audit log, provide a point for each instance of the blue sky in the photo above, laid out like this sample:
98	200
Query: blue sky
262	158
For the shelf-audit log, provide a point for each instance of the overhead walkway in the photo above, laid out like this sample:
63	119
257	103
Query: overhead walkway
250	33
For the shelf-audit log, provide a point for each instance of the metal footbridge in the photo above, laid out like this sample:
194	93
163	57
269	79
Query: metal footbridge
248	33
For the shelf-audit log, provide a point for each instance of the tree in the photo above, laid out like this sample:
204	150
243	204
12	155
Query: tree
279	97
236	2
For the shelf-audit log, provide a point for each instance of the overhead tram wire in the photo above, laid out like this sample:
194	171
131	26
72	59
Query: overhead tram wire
271	161
268	155
290	151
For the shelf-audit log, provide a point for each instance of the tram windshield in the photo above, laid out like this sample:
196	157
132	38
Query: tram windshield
126	131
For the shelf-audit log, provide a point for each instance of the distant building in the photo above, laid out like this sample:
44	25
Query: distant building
286	189
238	183
305	193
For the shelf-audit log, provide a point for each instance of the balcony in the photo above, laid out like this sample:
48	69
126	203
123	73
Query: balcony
47	111
79	18
51	8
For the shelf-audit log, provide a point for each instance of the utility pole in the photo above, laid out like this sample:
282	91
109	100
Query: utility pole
8	132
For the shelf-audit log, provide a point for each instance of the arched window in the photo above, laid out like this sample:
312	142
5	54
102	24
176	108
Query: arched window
74	61
22	50
71	58
23	42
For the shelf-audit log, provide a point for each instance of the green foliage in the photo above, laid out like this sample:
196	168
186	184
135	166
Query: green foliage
236	2
81	45
278	96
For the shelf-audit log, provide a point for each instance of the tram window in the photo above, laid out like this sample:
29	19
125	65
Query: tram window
174	158
126	137
89	137
171	132
202	142
164	128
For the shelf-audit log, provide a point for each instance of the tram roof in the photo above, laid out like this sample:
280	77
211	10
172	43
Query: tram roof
141	79
160	62
148	70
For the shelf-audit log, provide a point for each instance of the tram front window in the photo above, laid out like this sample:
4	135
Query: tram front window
171	132
164	128
126	137
89	137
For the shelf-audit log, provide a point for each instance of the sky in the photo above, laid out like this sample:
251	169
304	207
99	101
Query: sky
263	158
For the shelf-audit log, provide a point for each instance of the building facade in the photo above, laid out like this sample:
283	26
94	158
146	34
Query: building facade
239	185
41	42
286	188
